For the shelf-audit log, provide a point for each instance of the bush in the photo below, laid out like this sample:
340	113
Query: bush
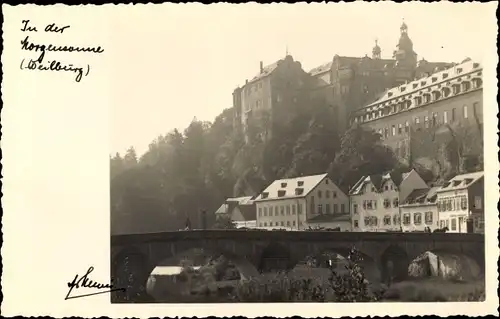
347	287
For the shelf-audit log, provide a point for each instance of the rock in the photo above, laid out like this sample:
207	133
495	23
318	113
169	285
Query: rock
447	266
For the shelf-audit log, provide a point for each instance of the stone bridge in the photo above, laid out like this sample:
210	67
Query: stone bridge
134	256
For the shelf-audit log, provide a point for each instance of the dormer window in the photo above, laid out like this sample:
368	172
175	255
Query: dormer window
446	184
299	191
281	193
467	181
300	183
465	86
459	70
423	83
283	185
389	94
475	65
265	195
418	100
456	88
427	98
476	83
434	79
456	183
445	75
436	95
402	89
446	91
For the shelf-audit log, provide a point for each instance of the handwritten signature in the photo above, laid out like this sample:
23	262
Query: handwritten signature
34	65
85	282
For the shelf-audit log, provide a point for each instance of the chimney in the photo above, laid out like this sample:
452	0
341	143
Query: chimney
246	81
261	66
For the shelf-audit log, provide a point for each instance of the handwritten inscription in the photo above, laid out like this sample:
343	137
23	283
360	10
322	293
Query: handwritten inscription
39	64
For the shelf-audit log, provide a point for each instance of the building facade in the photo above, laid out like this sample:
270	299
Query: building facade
375	200
419	211
349	83
432	107
277	84
241	211
462	199
290	203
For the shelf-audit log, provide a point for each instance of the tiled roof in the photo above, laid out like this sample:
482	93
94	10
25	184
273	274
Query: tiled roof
329	218
287	187
267	70
321	69
378	181
461	181
245	200
222	209
421	196
447	75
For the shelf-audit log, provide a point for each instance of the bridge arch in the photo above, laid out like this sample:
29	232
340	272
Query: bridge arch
275	256
394	262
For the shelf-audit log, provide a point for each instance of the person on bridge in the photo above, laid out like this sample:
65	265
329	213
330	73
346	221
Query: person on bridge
188	224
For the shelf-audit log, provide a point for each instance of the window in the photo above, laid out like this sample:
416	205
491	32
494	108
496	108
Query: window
282	223
319	194
367	221
335	208
299	209
327	194
354	208
260	224
387	202
396	219
312	205
393	130
293	209
386	187
334	194
288	209
417	219
342	208
463	203
453	117
320	209
434	119
276	213
426	121
293	223
282	209
445	117
288	223
477	202
387	219
356	223
400	129
328	208
456	89
406	219
428	218
453	224
260	211
386	132
466	115
374	221
265	224
407	126
395	202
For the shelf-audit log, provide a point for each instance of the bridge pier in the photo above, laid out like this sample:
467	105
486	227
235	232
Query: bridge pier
131	273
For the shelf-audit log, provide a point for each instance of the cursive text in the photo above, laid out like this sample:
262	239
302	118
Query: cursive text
85	282
54	66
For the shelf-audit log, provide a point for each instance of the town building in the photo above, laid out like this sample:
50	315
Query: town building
375	200
462	199
349	83
241	211
414	117
419	211
290	203
275	85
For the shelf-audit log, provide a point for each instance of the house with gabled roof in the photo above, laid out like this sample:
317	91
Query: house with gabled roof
290	203
375	200
241	211
419	210
461	199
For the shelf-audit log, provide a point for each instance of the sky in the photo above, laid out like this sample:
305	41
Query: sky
178	62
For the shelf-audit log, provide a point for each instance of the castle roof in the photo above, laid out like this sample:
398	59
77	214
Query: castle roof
286	188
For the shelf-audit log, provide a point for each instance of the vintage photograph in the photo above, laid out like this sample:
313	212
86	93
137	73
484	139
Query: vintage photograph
327	154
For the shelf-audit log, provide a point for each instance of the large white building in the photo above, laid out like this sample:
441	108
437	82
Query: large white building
461	199
290	203
375	200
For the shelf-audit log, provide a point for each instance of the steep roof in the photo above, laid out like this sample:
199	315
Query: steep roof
461	181
447	75
244	200
421	196
222	209
288	185
321	69
378	181
266	71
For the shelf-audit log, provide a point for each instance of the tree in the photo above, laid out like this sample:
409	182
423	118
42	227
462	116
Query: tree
224	223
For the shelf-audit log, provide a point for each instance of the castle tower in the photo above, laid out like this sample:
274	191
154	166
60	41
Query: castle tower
376	51
404	54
